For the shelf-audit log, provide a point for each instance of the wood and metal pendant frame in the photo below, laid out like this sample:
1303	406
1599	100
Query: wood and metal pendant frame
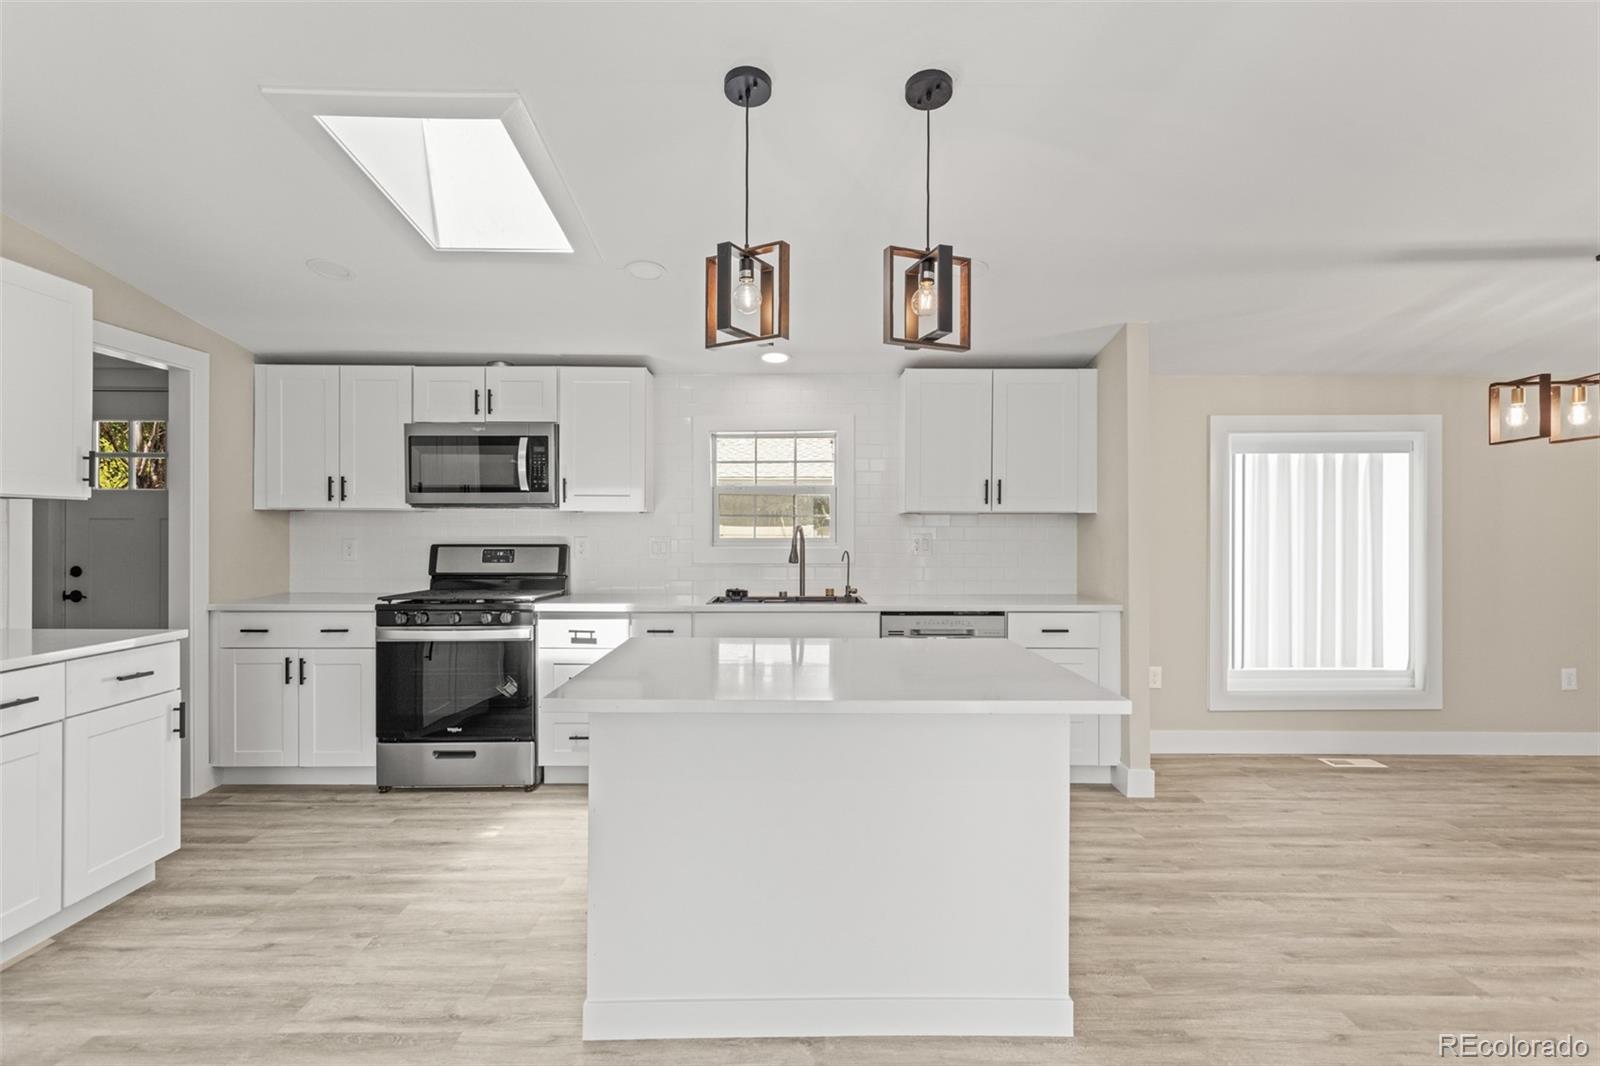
1503	394
747	87
1564	395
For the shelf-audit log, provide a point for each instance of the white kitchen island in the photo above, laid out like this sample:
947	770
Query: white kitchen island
815	837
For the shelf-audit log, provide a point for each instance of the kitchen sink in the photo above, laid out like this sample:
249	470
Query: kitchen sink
852	598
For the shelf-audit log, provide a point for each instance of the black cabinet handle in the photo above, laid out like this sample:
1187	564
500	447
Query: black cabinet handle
89	477
661	631
336	630
578	736
999	491
243	630
341	488
475	394
563	490
330	487
288	670
986	492
1055	631
183	721
136	676
8	704
302	671
491	401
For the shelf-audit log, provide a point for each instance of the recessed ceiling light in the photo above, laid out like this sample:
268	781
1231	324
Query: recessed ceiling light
645	269
328	269
461	182
774	357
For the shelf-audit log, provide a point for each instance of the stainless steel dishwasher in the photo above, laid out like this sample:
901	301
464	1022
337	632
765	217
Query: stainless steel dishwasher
970	624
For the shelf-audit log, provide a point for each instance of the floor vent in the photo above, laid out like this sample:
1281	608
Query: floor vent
1354	763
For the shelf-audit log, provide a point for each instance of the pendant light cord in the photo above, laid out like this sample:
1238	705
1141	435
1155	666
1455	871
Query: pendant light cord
927	183
747	169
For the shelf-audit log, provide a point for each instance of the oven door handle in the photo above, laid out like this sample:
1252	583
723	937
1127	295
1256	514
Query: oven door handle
422	634
522	463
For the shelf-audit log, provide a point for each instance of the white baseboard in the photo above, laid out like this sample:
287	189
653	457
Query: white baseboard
1366	742
688	1019
297	775
1135	784
36	934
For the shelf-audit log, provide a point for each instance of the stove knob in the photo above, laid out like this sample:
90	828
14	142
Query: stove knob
505	618
455	619
486	617
421	618
400	618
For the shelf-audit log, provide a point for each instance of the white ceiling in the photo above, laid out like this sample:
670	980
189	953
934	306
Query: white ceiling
1323	188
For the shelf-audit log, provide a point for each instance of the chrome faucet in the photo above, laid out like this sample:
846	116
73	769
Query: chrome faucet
849	589
797	554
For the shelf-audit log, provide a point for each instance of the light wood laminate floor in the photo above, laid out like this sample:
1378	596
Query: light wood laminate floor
1261	910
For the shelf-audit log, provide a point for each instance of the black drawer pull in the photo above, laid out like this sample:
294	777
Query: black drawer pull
8	704
252	630
1055	631
661	631
589	639
336	630
137	676
437	754
576	736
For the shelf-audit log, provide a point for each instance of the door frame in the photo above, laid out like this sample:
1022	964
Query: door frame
188	524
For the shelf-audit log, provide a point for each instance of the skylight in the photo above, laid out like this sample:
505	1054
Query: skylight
460	181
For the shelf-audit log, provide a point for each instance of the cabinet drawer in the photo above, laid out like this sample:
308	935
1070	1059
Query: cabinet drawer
288	629
582	632
563	738
1062	630
32	697
107	680
661	625
1085	662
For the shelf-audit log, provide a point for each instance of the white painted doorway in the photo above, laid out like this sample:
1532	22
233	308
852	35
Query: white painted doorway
102	563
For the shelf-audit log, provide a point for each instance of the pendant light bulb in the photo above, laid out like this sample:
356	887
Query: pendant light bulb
1517	413
747	293
926	300
1579	414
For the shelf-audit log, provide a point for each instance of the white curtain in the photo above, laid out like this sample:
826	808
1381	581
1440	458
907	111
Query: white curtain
1308	560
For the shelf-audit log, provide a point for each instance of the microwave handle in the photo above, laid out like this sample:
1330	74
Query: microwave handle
522	463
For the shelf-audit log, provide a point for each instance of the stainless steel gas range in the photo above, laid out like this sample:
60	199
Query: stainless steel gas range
456	681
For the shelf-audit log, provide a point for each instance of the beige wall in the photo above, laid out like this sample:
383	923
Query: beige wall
1113	542
249	548
1521	558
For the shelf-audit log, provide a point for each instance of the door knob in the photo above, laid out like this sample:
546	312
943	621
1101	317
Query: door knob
75	596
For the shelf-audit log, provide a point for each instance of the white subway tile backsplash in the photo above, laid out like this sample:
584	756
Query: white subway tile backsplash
968	553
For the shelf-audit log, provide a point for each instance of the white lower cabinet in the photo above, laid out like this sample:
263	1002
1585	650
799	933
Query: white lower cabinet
1088	644
296	707
338	708
786	623
30	827
121	770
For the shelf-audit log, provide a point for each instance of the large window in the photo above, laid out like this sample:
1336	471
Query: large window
1325	563
130	454
769	482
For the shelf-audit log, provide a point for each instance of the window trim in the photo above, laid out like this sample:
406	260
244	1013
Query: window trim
1426	690
774	552
829	488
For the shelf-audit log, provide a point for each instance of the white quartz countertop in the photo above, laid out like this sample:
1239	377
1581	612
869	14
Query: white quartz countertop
816	675
661	603
305	601
35	647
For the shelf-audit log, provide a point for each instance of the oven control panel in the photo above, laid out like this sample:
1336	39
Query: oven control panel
463	616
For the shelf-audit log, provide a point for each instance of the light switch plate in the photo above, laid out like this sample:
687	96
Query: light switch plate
1155	677
659	546
580	546
921	544
1569	679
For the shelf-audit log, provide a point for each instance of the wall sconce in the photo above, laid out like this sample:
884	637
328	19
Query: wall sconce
1575	409
1519	410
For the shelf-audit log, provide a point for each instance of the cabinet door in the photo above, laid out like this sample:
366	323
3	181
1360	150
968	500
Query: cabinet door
946	419
1036	440
556	668
257	711
46	384
297	437
519	393
374	407
1084	744
30	827
120	793
605	438
338	707
447	394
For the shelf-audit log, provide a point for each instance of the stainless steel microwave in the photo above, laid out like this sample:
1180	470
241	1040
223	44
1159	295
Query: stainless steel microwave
481	464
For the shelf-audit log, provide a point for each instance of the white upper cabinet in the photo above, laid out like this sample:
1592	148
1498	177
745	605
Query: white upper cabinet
374	407
331	436
297	436
946	418
519	393
998	441
447	394
605	447
46	384
1044	432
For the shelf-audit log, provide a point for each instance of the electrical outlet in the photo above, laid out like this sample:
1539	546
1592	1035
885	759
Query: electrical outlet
1155	677
921	544
347	549
1569	679
659	546
580	546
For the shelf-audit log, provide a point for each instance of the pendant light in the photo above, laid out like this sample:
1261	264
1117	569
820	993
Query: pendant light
747	286
1573	414
1514	414
927	291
